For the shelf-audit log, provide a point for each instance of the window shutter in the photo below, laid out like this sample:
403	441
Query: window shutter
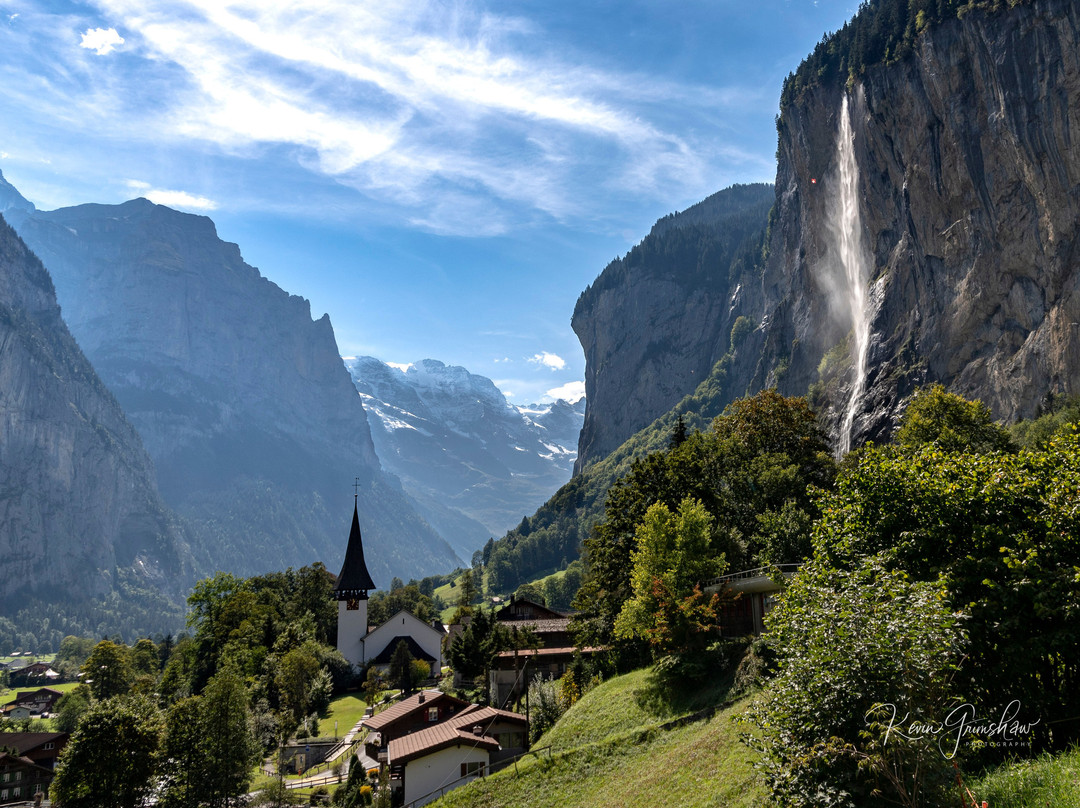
463	772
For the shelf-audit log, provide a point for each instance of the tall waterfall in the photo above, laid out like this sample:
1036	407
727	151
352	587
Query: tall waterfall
846	225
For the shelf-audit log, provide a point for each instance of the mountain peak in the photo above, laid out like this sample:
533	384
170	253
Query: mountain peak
11	199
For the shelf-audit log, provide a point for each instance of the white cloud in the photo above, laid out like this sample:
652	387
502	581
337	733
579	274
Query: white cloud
101	40
548	360
571	391
448	112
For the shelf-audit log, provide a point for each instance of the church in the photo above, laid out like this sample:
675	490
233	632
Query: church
360	643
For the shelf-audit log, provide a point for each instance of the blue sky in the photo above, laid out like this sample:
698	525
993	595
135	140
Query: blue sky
443	178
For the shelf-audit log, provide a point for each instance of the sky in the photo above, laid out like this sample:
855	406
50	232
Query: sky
443	178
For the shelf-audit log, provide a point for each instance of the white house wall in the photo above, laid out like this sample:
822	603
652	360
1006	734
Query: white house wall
432	772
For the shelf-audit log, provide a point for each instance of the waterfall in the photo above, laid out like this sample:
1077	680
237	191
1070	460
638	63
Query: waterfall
847	229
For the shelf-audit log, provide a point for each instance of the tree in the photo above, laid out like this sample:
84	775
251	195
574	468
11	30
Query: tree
863	653
952	423
108	670
1000	530
70	708
184	756
401	669
672	560
112	757
229	748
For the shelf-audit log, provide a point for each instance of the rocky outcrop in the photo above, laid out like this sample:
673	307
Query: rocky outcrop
11	199
78	505
970	185
459	447
240	397
656	321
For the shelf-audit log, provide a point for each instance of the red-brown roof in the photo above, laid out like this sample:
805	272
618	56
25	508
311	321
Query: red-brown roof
456	730
407	706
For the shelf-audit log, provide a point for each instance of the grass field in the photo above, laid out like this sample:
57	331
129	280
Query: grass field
346	711
1046	780
609	750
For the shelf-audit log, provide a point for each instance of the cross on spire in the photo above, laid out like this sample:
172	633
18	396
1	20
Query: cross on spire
356	488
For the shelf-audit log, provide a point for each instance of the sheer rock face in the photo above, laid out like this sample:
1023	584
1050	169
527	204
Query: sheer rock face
654	323
970	185
78	505
969	178
240	397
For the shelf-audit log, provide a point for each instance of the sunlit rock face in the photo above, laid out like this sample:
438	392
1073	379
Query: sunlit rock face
78	505
970	186
240	397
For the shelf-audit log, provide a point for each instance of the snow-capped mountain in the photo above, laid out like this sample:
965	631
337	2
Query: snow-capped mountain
461	449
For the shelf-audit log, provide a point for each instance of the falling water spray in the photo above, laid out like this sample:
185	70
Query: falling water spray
852	274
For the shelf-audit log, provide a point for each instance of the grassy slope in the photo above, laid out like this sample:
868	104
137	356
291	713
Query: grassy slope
1032	783
610	751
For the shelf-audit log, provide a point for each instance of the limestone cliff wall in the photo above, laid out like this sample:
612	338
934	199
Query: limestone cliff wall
241	398
970	186
77	494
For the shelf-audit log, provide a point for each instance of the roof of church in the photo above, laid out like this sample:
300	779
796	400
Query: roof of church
354	578
387	653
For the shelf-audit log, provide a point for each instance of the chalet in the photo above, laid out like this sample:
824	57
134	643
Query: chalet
15	712
41	748
21	779
511	671
40	701
756	592
426	764
361	644
34	673
418	712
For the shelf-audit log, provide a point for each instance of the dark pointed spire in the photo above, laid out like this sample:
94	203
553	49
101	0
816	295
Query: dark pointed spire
354	580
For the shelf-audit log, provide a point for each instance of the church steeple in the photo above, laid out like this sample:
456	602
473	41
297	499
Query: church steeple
354	581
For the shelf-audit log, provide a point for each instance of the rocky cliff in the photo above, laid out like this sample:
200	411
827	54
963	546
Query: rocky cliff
459	447
240	397
79	511
968	185
970	197
654	322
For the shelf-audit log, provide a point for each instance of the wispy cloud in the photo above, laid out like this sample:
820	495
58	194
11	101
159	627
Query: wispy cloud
101	40
447	113
548	360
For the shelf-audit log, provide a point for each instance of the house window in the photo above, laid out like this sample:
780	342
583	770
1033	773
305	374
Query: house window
16	792
18	775
432	714
7	776
50	745
475	769
3	794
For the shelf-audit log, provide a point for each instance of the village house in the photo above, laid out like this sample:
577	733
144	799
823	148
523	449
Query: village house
427	763
554	649
419	711
21	779
41	748
40	702
755	595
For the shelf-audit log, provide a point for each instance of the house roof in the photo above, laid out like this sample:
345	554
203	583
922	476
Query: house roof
354	580
23	742
456	730
405	707
36	695
515	606
414	648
